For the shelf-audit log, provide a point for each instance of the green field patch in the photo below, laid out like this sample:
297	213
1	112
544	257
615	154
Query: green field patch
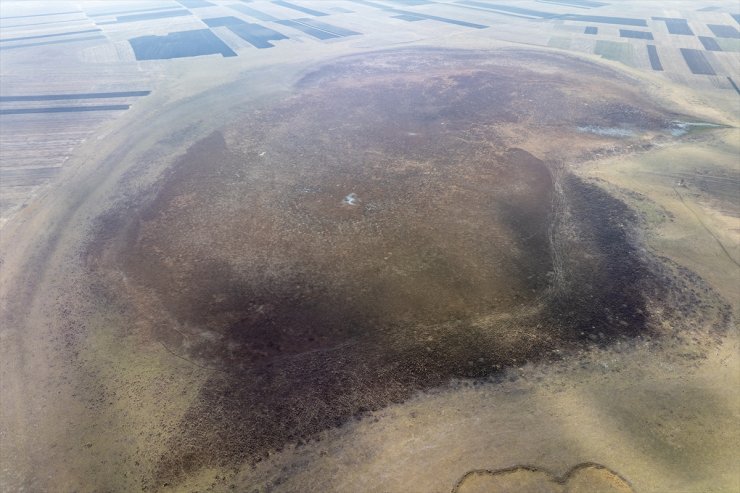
559	42
612	50
728	44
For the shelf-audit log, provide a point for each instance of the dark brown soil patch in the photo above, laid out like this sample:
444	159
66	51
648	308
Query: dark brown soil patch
404	219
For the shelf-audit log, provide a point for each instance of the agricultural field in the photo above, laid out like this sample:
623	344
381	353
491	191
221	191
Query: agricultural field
369	245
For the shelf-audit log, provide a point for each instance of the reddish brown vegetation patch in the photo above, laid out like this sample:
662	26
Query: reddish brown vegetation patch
460	252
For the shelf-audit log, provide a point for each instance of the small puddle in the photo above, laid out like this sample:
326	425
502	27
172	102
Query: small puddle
679	128
606	131
351	199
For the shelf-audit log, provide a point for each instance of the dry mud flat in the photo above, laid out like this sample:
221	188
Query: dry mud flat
403	219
